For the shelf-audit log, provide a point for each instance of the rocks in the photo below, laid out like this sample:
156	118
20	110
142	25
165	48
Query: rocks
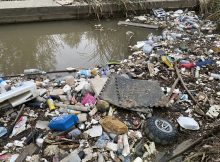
102	106
95	131
112	146
51	150
56	92
70	80
82	117
113	125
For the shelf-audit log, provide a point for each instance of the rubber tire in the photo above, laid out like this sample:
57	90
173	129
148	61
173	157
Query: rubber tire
157	135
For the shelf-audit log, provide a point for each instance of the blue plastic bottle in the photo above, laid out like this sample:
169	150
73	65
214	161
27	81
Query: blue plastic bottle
63	123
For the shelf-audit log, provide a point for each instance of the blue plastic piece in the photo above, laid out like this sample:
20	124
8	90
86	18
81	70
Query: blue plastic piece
85	73
63	123
3	131
204	63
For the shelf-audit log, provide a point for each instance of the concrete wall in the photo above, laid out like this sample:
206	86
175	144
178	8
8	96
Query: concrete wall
48	13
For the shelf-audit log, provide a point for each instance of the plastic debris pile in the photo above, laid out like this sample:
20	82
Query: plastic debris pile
166	92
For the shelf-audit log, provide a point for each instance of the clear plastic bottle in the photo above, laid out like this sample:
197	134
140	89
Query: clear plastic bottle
215	76
31	71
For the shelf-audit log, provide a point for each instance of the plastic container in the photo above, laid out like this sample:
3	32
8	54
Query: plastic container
63	123
188	123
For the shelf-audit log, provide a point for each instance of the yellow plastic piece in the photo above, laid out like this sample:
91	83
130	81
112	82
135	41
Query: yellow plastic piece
50	104
166	61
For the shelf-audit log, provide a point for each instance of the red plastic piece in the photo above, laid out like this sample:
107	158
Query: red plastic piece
187	65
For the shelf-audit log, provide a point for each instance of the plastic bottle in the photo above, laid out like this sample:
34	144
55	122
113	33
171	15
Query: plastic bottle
216	76
197	72
166	61
50	103
31	71
69	96
2	85
147	48
85	73
74	133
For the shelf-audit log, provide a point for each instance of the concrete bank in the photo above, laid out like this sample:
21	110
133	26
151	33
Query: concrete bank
48	10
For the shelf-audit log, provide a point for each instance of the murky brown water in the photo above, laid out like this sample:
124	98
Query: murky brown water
57	45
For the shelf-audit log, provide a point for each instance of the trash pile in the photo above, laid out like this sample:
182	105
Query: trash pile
161	103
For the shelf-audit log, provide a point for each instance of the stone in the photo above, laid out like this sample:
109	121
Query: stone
82	117
51	150
70	80
102	105
113	125
95	131
112	146
57	92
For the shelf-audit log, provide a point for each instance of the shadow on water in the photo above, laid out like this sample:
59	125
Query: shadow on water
57	45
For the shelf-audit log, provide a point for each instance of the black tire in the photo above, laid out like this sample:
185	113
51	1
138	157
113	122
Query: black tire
153	130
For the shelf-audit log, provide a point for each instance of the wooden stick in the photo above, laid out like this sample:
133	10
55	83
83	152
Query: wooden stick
40	73
165	99
215	128
183	84
138	25
15	121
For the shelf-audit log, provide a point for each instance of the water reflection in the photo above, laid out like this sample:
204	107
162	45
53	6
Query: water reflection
57	45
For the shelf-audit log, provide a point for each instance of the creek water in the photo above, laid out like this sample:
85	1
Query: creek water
60	44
